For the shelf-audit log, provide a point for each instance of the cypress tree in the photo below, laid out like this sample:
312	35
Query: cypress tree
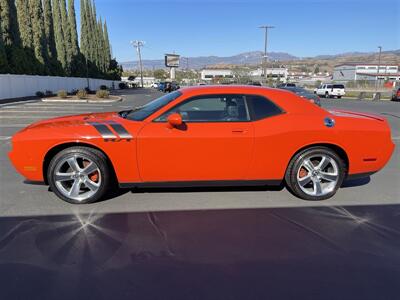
39	39
91	35
9	23
49	29
100	40
107	47
59	35
25	23
72	26
84	30
67	36
3	56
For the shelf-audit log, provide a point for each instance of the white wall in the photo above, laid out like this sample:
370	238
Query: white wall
15	86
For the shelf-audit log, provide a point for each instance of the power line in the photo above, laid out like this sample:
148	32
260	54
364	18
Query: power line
265	27
138	44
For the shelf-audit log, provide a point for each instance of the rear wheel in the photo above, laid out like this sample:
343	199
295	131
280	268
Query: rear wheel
315	173
79	175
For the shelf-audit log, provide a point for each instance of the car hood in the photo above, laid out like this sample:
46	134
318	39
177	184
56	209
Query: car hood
73	121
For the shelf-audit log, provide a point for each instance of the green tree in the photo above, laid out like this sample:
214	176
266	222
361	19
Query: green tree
84	29
3	56
39	39
107	47
9	23
67	36
25	23
59	35
72	27
55	67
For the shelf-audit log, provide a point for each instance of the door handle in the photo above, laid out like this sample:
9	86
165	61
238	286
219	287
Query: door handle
238	131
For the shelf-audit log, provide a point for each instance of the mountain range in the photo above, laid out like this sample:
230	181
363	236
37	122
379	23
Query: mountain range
255	58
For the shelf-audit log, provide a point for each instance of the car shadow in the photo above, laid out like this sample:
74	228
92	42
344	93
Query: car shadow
205	189
356	182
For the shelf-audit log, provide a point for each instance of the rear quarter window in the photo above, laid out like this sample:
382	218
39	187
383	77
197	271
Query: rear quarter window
338	86
261	107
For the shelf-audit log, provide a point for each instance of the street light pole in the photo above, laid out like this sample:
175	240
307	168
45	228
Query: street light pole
138	44
379	66
265	27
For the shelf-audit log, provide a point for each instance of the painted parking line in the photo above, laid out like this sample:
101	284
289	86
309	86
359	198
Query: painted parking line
74	104
4	138
13	125
26	117
36	111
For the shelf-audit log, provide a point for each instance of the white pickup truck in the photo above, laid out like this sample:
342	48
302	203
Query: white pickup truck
330	90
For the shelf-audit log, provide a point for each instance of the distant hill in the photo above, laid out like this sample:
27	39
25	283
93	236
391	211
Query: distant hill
247	58
325	62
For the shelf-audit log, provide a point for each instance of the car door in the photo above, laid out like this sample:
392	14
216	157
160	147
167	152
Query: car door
215	141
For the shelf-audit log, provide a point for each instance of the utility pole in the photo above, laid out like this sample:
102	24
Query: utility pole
265	60
379	66
138	44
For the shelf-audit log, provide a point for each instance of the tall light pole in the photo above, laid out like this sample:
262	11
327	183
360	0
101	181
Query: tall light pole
379	66
138	44
265	27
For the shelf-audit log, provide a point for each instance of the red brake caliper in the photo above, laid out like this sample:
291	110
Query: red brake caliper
94	176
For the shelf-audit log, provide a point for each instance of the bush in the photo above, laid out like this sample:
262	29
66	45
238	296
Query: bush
88	90
74	91
39	94
81	94
122	85
62	94
102	94
103	87
48	93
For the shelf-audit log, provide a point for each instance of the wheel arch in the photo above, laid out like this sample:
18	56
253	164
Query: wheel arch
60	147
338	150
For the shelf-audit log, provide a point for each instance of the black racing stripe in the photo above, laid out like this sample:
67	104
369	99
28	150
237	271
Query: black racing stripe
120	130
105	132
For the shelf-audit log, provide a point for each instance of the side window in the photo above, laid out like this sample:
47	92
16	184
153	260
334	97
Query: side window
262	107
213	108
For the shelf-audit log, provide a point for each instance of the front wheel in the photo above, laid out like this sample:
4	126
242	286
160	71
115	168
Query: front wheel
315	173
79	175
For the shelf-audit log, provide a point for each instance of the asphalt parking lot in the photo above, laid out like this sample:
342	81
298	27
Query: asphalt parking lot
20	199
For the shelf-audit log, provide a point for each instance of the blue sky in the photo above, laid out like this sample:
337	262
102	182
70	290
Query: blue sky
228	27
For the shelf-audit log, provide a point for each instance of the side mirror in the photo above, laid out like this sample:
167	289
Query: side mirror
174	120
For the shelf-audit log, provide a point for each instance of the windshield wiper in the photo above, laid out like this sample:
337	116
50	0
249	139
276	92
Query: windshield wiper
125	113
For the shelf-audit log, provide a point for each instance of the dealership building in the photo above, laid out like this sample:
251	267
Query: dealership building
359	71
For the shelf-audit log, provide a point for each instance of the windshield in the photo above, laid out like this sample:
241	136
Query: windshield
142	112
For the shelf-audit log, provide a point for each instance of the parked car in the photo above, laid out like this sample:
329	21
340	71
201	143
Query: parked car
214	135
168	86
305	94
255	83
285	85
396	94
154	85
330	90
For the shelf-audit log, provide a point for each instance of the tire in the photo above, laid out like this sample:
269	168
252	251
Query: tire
297	172
339	97
79	175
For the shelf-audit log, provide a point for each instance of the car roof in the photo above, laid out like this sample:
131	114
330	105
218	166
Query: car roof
283	98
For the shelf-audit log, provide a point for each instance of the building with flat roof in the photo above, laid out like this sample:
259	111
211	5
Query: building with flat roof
361	71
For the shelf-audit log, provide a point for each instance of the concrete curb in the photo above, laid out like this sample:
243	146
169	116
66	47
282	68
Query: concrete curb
81	100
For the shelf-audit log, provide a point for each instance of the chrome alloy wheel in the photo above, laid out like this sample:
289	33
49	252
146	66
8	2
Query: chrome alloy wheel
318	175
77	177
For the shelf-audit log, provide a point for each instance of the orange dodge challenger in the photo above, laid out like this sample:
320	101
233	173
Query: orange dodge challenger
210	135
